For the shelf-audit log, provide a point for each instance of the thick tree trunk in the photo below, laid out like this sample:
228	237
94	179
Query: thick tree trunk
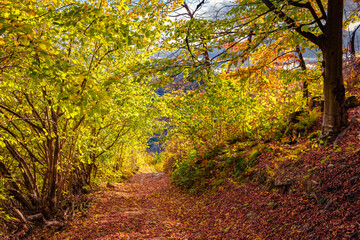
335	115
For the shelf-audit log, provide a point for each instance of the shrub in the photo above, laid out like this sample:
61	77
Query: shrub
186	174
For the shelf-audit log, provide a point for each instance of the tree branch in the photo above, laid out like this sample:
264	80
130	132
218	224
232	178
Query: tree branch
78	124
34	109
107	53
28	177
308	6
21	117
322	9
113	143
293	25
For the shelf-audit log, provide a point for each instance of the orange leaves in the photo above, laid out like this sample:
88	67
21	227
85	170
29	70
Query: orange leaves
285	61
237	47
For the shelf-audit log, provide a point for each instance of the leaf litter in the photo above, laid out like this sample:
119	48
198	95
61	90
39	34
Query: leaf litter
323	203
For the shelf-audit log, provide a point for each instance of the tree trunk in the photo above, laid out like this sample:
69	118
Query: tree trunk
335	115
330	43
207	60
303	68
352	42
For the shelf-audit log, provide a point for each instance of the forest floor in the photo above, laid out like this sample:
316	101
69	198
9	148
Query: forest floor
296	191
148	206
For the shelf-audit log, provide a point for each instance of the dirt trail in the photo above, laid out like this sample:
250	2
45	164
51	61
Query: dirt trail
126	211
149	207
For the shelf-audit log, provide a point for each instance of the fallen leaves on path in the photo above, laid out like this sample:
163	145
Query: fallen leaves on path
150	207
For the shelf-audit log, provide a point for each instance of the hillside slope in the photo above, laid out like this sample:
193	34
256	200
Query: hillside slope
315	196
296	191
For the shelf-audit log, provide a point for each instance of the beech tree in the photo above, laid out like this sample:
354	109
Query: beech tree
258	22
319	22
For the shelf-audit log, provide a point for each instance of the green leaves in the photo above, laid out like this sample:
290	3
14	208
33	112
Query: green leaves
69	103
3	30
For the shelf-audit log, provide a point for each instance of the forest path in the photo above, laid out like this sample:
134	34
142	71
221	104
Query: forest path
149	207
129	210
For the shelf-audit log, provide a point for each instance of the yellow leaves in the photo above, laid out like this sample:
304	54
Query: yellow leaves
29	36
31	13
238	46
123	6
24	40
104	4
42	46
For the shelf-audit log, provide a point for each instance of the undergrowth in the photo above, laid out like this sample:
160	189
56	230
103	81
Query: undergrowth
217	131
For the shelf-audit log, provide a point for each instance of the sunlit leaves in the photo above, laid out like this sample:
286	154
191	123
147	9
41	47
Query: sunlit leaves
69	100
232	109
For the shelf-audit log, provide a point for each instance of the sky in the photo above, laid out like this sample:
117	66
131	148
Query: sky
209	9
216	5
212	7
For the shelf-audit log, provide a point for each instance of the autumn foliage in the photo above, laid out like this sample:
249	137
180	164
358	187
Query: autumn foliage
234	106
